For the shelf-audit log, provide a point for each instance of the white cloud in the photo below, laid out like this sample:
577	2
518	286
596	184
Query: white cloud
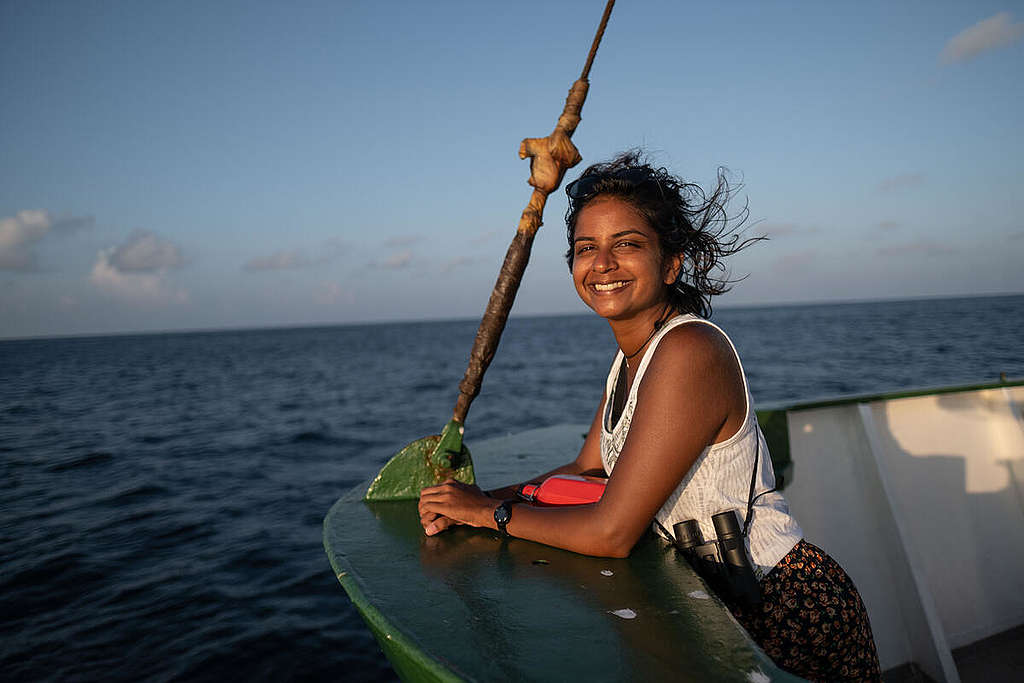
136	271
145	252
901	182
988	34
19	233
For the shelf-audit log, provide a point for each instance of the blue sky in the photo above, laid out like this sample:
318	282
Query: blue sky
208	165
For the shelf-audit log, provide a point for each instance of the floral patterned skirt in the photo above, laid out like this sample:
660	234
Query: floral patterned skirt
812	622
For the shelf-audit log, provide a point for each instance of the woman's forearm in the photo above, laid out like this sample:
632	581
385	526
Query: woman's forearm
583	529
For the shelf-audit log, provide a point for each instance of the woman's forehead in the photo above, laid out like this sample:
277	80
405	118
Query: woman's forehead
609	213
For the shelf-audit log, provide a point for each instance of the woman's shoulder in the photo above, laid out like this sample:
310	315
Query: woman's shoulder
697	355
697	361
696	341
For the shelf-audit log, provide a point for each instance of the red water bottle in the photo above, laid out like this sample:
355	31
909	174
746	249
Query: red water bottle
564	489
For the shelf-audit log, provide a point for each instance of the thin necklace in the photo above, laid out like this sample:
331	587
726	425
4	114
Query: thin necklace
657	326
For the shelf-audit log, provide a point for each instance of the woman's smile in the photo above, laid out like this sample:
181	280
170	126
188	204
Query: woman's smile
610	286
617	265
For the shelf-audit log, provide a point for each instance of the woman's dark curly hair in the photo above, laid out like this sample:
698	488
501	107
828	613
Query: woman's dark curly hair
688	222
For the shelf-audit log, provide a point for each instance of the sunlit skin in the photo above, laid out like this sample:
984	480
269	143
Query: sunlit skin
618	269
692	396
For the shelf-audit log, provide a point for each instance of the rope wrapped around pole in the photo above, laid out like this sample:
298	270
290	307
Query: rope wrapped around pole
550	157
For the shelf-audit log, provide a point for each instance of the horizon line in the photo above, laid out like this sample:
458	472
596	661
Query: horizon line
406	321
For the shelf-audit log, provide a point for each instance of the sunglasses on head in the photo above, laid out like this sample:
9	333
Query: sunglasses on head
585	187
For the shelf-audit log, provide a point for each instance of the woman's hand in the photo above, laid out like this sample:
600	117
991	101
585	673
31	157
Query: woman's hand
453	502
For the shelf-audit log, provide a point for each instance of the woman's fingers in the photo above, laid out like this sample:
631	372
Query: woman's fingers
432	498
438	525
444	493
454	501
434	523
429	518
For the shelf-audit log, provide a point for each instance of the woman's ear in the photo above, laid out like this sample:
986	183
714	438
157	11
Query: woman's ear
673	268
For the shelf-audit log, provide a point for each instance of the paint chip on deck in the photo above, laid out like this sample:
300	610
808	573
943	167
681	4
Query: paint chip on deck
624	613
699	595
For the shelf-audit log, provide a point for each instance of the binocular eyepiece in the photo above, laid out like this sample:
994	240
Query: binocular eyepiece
722	563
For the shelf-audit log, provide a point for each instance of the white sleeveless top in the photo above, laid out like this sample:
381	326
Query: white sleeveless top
719	479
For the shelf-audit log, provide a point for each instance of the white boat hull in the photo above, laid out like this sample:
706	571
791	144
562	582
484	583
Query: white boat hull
919	497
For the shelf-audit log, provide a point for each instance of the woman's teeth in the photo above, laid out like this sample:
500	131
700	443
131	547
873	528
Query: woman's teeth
609	287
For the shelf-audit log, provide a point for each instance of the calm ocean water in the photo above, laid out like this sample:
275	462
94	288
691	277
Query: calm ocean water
163	495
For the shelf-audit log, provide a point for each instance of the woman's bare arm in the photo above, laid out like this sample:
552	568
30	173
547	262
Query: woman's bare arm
692	396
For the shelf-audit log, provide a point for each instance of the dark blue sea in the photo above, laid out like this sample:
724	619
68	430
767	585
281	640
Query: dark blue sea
162	494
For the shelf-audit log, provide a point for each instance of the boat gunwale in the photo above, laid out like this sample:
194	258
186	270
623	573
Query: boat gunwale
852	399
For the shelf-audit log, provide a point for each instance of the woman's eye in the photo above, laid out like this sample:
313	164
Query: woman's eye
627	243
585	247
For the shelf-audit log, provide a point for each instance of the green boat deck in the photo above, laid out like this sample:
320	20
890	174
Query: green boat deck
469	604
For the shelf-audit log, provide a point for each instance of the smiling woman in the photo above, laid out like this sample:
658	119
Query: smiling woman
617	265
675	432
691	224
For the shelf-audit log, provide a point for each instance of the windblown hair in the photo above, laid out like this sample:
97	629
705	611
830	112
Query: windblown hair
688	221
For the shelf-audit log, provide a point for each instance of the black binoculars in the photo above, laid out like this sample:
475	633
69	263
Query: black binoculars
722	563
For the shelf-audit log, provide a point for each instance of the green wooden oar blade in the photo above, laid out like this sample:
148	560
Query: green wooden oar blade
424	462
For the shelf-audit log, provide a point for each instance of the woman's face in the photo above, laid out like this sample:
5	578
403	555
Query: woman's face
617	264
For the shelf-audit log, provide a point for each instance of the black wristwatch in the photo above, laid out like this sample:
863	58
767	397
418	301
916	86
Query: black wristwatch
503	515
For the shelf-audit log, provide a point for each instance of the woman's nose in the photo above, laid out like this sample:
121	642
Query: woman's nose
603	261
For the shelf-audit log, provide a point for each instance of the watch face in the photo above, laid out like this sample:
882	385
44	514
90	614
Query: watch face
502	515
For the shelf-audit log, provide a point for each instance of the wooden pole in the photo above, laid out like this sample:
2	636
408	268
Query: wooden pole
550	157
